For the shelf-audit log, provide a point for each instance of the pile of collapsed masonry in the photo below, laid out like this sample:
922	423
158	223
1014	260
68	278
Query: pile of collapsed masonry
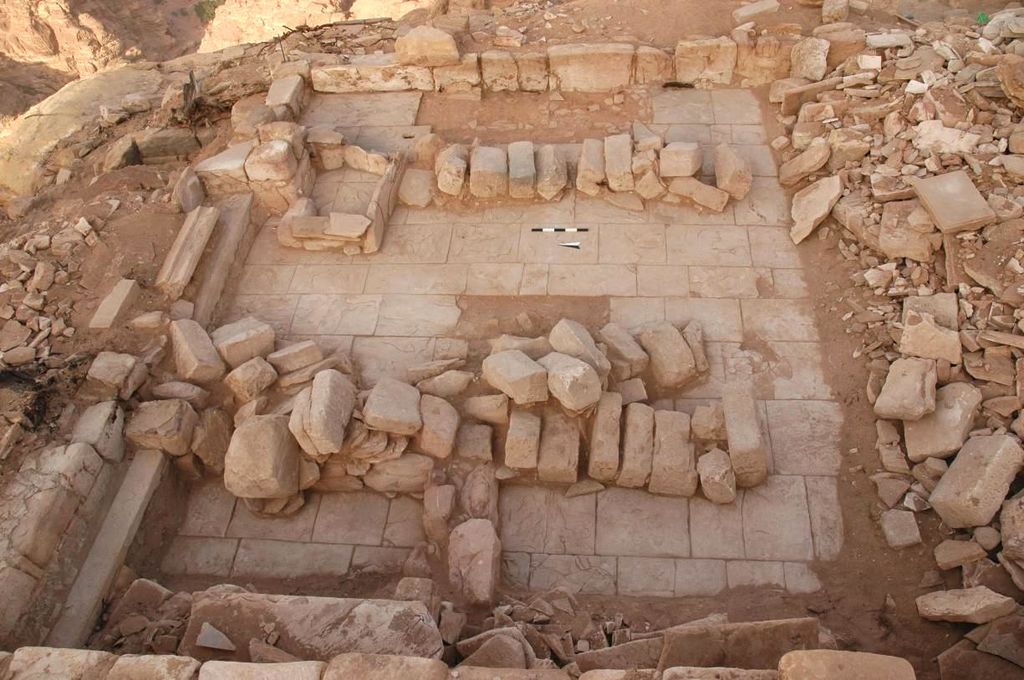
917	134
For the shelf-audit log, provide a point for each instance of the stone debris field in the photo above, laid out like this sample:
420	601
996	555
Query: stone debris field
433	348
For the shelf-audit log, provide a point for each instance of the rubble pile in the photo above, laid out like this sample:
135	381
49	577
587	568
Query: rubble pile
905	146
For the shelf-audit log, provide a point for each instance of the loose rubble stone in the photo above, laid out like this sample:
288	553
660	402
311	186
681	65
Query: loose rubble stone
195	357
440	425
732	172
517	375
954	203
747	449
250	378
570	337
393	406
972	491
809	59
115	305
813	664
474	560
674	467
262	460
242	340
626	356
451	167
680	159
112	375
321	413
637	446
924	338
165	424
296	356
970	605
952	554
810	160
672	361
943	432
603	456
717	480
408	473
812	205
211	437
909	390
427	46
574	383
490	408
101	426
900	528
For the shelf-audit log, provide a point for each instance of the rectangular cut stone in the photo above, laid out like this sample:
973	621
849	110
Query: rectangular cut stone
776	520
371	73
603	459
747	447
705	61
953	202
183	257
558	458
115	304
195	357
699	578
576	573
499	71
673	467
971	492
590	67
637	446
647	576
716	530
618	162
533	71
543	520
523	440
224	173
229	247
826	516
634	522
522	171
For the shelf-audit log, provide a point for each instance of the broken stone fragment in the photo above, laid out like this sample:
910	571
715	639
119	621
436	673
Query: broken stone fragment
115	376
448	384
570	337
474	560
1011	528
708	422
427	46
393	406
900	528
489	408
700	194
809	59
517	375
627	357
574	383
671	358
971	492
272	161
942	432
559	452
102	427
295	356
812	204
924	338
416	187
674	466
717	480
603	456
909	390
250	378
408	473
239	341
321	413
440	425
968	605
165	424
732	172
810	160
522	443
747	449
680	159
115	305
951	554
211	437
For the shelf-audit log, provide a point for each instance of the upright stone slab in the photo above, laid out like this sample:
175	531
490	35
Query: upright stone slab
674	466
747	447
637	446
195	357
522	443
971	492
559	454
474	560
590	168
603	458
618	162
522	170
488	172
603	67
552	174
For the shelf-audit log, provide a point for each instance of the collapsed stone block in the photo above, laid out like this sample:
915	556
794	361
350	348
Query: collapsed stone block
748	450
115	376
165	424
517	375
637	446
440	425
393	406
705	61
474	560
680	159
628	358
732	172
717	480
671	358
408	473
250	378
241	340
942	432
909	390
559	452
972	491
574	383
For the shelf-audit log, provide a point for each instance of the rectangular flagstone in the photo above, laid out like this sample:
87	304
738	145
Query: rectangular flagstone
805	436
776	520
632	244
541	520
584	574
633	522
328	278
647	576
716	530
259	558
591	280
700	578
353	517
725	282
297	527
265	279
417	279
785	320
336	314
826	516
708	245
417	315
488	243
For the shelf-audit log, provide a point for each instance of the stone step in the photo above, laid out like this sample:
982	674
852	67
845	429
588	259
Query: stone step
84	601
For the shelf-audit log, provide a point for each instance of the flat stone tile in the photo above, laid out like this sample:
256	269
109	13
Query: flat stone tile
800	578
789	283
277	310
328	278
199	556
683	213
632	244
716	530
352	176
762	162
710	386
354	517
541	520
535	247
693	133
631	313
592	279
826	516
436	214
375	559
766	204
411	243
336	314
494	279
772	247
700	578
784	320
749	134
682	106
417	279
776	520
389	139
404	527
417	315
735	106
720	318
558	213
647	576
378	357
805	436
297	527
209	509
265	279
720	134
632	522
328	343
258	558
515	569
355	109
349	198
757	574
781	370
596	210
535	279
724	282
662	280
266	250
584	574
708	246
487	243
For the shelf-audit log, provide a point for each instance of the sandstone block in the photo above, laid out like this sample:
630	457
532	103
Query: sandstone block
969	605
637	446
570	337
489	408
747	447
101	426
717	480
603	67
909	390
295	356
272	161
114	376
115	305
394	407
705	61
680	159
674	466
522	171
732	172
488	172
923	337
165	424
451	166
262	460
900	528
499	71
559	452
211	437
522	443
812	664
250	379
371	73
195	357
239	341
440	425
812	204
427	46
574	383
627	357
517	375
971	492
590	168
809	59
603	458
700	194
287	92
474	560
552	174
672	360
618	162
942	432
409	473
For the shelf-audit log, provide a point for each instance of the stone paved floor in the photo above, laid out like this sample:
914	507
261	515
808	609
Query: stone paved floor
738	273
